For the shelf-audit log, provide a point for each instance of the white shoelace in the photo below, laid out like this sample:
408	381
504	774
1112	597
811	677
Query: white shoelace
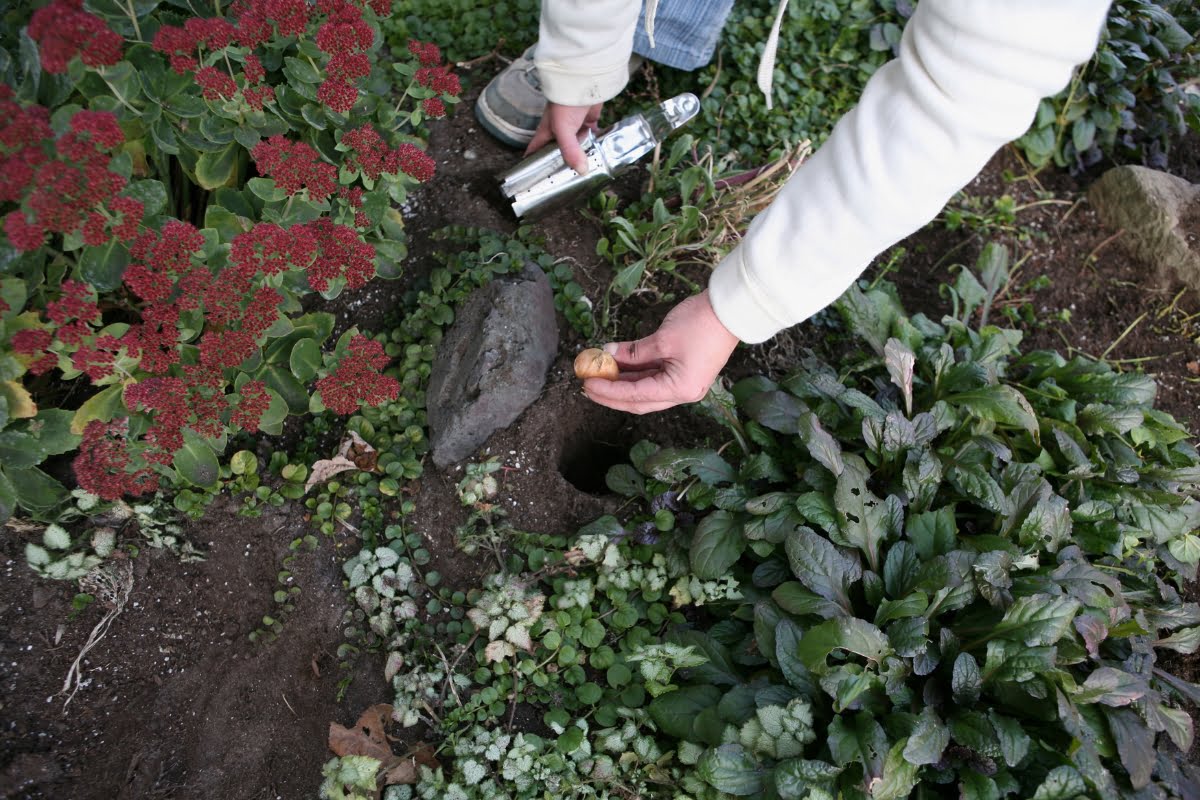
766	65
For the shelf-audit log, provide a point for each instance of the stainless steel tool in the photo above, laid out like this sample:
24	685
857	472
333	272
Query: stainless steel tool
543	182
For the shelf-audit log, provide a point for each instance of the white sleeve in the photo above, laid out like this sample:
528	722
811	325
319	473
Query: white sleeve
968	80
583	49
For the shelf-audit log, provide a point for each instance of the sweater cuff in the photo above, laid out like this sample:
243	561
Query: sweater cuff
736	302
567	87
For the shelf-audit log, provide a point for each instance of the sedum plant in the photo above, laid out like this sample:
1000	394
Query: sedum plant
172	186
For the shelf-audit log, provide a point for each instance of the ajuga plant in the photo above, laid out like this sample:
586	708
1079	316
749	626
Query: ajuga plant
940	568
171	186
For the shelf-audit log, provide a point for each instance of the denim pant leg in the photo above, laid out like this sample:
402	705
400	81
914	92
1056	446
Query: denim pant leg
685	32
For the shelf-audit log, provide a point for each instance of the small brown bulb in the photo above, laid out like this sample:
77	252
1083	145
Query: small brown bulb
595	363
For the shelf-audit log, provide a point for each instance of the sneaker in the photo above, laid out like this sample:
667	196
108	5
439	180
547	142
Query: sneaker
511	105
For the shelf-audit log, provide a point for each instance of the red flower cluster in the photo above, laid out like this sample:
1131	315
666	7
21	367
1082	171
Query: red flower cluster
62	192
344	35
440	79
22	132
255	92
64	30
295	166
215	83
372	157
340	254
168	399
253	403
97	361
165	260
78	302
31	342
102	466
426	52
270	249
357	379
433	107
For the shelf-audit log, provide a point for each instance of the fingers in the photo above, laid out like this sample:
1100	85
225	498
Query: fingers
640	396
541	136
644	354
566	129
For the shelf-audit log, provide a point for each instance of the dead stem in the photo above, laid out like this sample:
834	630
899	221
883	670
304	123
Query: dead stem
1090	259
1126	332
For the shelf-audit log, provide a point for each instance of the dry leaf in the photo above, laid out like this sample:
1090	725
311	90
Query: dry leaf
1193	367
368	738
355	453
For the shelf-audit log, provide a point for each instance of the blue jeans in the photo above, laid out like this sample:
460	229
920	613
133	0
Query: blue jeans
685	32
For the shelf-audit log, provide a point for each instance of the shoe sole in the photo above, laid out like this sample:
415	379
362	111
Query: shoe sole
494	124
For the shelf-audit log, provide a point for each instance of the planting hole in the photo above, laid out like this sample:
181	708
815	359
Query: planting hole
585	459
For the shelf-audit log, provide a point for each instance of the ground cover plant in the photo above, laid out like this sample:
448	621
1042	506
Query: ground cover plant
941	565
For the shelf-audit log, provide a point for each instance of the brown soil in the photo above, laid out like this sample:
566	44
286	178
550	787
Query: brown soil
178	703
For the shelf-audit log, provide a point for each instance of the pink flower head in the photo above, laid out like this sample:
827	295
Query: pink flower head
64	30
295	166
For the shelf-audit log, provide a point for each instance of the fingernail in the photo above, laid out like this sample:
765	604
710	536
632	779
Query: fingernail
610	348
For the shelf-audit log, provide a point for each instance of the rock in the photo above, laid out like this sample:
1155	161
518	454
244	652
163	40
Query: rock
1160	216
492	363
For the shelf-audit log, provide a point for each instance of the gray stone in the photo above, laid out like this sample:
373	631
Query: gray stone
492	363
1159	216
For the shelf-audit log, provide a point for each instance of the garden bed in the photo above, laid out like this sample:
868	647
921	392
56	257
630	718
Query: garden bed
179	703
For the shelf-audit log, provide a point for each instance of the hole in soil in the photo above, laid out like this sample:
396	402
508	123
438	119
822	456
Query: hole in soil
589	452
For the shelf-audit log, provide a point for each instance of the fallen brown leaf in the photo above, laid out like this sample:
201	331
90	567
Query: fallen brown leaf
368	738
355	453
1193	367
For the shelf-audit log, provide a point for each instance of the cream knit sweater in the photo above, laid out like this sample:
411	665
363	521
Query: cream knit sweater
968	80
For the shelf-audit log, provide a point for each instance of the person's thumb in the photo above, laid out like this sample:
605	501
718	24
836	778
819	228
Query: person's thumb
643	354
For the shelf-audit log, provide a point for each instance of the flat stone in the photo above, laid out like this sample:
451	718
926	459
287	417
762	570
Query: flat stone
1159	216
492	363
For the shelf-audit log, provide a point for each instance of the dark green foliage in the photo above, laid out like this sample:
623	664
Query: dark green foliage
1129	101
464	29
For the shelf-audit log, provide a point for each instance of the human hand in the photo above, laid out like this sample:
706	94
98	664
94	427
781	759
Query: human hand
566	125
675	364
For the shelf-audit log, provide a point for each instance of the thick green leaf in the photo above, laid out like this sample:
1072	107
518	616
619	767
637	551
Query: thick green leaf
1135	744
19	449
862	517
928	739
787	644
196	462
822	567
719	669
1001	404
821	445
1062	783
1038	620
102	406
1014	742
103	266
966	681
675	712
288	387
899	775
53	431
851	634
1112	687
794	777
36	491
8	497
625	480
150	193
218	168
858	738
716	545
974	730
305	360
730	769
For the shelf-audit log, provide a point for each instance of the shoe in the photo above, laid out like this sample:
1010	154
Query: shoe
511	105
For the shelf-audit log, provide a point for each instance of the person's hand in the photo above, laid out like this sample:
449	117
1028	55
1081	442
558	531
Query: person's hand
567	125
675	364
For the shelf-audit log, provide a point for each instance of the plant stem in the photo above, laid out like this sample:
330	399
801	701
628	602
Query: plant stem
137	29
